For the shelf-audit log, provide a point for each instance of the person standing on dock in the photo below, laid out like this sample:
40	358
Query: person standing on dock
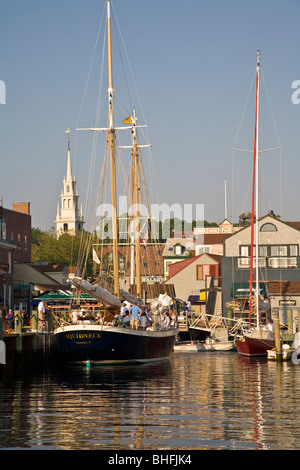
10	319
41	314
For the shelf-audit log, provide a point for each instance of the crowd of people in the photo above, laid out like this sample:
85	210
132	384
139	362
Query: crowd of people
139	318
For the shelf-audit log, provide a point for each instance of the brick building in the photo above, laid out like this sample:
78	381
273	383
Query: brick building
15	247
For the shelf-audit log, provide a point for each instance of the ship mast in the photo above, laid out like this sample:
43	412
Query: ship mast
135	274
255	190
111	138
135	167
135	162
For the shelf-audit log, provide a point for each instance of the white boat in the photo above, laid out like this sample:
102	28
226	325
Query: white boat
201	346
286	353
211	344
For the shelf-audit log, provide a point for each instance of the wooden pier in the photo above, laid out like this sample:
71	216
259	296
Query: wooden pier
26	346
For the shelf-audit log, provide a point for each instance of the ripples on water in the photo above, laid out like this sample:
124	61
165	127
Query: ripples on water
195	401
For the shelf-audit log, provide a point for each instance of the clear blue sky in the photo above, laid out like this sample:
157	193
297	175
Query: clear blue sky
193	63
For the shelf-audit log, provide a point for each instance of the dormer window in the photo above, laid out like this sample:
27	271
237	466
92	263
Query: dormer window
178	250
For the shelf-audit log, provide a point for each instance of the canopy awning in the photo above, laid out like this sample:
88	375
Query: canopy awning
60	296
242	289
195	299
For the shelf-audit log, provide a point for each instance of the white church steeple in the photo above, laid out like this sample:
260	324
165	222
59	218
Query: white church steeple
68	219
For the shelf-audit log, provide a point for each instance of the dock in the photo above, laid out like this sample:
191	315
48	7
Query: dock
26	346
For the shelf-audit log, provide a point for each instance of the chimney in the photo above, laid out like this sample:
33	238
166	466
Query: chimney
23	207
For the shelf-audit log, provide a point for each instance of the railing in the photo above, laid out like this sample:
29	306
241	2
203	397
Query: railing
244	262
273	262
282	262
208	322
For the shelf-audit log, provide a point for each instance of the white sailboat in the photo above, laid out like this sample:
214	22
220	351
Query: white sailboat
102	341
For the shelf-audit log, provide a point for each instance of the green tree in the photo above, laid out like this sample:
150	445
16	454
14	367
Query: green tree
67	249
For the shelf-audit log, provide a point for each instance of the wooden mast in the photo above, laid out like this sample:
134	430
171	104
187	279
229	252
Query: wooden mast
111	137
135	165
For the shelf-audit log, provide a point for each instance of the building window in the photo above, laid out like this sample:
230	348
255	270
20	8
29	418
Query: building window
65	227
178	250
293	250
278	250
268	228
19	241
203	249
2	229
262	250
245	250
199	273
25	243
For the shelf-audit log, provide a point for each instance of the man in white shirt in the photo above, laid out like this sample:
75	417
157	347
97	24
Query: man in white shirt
41	314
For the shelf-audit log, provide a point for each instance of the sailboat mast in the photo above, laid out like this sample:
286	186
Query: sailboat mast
256	192
135	164
111	137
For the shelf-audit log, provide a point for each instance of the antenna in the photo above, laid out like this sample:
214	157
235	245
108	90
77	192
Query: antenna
225	190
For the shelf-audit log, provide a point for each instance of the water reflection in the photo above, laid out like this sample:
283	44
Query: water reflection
194	401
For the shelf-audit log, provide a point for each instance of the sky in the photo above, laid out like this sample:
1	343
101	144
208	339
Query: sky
193	64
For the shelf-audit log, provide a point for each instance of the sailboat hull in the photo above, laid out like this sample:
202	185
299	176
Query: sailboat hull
109	344
248	346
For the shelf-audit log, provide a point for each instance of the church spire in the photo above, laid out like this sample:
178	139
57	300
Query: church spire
69	169
69	218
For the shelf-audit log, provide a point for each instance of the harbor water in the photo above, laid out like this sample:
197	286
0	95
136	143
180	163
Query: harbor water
202	401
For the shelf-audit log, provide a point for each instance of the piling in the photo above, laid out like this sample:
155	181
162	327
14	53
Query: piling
230	317
50	321
277	335
34	320
290	321
1	326
18	330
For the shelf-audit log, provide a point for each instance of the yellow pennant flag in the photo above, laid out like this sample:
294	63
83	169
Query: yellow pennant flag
128	120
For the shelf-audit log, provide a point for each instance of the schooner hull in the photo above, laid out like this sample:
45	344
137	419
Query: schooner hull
111	344
248	346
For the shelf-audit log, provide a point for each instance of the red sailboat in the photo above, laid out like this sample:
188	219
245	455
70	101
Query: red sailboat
256	341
